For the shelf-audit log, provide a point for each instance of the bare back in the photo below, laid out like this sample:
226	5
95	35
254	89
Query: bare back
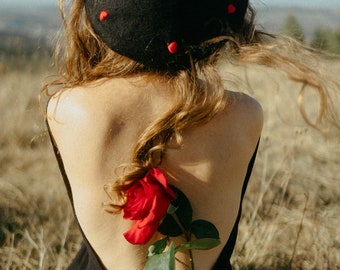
96	128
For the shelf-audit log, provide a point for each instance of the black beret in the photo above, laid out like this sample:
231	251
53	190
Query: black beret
160	33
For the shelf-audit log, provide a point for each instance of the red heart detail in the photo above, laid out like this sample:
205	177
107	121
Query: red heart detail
173	47
103	15
231	9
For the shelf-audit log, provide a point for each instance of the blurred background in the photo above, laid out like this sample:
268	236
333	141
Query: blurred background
292	208
29	27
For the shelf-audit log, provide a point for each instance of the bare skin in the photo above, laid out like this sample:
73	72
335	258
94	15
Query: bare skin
96	127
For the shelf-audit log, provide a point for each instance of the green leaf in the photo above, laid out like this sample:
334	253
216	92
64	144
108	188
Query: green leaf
158	247
202	244
183	211
163	261
204	229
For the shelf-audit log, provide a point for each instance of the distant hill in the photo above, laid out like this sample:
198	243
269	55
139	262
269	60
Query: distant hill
30	29
39	23
27	31
309	18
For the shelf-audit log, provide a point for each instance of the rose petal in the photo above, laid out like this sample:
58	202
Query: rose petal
135	203
160	177
143	230
141	233
147	202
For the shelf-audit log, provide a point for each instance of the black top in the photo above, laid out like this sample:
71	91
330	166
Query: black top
87	259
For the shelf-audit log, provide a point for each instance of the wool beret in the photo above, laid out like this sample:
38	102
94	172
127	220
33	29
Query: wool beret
162	33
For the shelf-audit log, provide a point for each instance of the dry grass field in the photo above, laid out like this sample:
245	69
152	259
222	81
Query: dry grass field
291	217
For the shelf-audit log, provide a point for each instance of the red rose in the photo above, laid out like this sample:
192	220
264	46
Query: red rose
147	202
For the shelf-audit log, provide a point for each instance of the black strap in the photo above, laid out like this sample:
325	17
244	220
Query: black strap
223	261
60	165
86	258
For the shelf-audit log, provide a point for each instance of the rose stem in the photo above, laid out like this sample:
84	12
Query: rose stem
187	236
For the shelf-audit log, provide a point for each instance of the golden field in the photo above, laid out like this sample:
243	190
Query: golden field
291	213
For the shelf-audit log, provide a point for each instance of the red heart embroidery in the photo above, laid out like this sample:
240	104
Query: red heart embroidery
103	15
173	47
231	9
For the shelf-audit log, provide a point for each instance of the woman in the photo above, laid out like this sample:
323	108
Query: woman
141	103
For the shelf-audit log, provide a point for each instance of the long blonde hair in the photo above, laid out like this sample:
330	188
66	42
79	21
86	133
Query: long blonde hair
82	58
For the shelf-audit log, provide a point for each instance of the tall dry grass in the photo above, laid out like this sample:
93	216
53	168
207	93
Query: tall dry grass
291	217
36	224
291	210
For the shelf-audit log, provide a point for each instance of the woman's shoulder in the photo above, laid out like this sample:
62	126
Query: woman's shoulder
244	112
84	105
79	122
76	119
66	102
68	108
247	104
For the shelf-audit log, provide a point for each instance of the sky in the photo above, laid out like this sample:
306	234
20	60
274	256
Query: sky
305	3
